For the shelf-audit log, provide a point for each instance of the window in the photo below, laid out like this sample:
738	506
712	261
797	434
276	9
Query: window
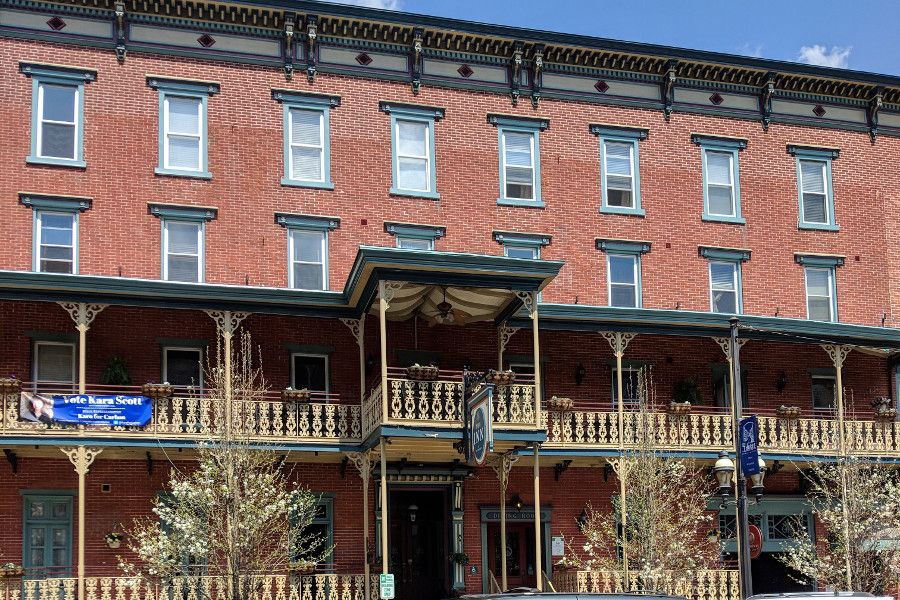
57	242
520	172
321	527
721	180
623	280
722	386
307	160
307	249
47	524
631	385
814	187
57	127
724	287
413	243
54	362
415	237
823	389
183	367
522	245
310	371
529	252
619	169
183	126
412	149
820	303
182	251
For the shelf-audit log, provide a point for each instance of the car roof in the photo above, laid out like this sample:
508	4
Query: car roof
513	594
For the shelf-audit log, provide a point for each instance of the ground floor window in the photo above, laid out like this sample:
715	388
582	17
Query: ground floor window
47	540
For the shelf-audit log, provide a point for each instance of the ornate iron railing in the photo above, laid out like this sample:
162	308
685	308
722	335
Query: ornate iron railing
699	585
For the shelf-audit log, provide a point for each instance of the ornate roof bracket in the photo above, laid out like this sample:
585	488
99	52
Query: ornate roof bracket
121	50
668	87
311	28
537	69
289	19
765	99
515	69
872	113
416	50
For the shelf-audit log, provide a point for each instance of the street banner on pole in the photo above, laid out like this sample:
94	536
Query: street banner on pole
749	434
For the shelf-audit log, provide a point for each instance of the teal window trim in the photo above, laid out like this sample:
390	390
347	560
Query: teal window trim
181	212
177	213
628	366
176	88
42	204
531	240
526	125
324	500
818	260
722	254
315	102
824	156
29	496
732	146
623	246
429	233
735	256
832	289
63	76
326	356
37	237
419	114
188	346
313	223
772	506
627	135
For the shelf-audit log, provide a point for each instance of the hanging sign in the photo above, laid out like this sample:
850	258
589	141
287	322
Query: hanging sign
755	541
480	428
87	409
749	433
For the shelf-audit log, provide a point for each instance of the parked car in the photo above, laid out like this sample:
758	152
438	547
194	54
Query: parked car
533	594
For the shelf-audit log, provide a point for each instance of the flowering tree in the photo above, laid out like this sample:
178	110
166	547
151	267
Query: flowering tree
667	521
857	504
235	516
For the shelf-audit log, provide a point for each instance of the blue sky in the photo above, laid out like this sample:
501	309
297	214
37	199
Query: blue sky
863	34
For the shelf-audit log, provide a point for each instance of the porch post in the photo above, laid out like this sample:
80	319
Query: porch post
618	341
83	314
384	510
538	558
81	458
529	299
502	466
385	295
357	328
227	323
364	463
504	333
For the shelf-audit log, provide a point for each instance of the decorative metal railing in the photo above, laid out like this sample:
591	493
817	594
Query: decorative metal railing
698	585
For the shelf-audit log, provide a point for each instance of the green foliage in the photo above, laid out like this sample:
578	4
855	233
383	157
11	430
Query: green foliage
687	390
116	372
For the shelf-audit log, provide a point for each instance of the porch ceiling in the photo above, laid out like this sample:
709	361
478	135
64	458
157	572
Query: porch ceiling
446	305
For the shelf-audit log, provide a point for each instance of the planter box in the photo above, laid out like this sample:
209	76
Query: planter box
157	391
292	395
11	572
423	373
680	408
10	385
560	404
500	377
886	415
788	412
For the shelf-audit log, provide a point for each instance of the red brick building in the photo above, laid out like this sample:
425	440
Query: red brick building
363	191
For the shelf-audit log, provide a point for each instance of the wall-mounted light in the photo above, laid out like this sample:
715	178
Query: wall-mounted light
516	501
413	509
781	382
579	374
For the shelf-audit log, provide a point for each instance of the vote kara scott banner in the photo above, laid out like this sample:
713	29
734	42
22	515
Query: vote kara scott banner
86	409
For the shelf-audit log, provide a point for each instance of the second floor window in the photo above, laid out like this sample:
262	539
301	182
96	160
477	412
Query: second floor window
623	275
814	187
529	252
54	363
415	243
59	108
307	145
56	245
823	392
631	385
182	251
309	259
820	294
183	130
724	287
413	166
310	371
618	174
183	367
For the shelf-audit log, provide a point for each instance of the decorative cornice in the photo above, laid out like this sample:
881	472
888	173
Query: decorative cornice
79	74
172	84
813	151
183	212
294	96
626	246
51	202
818	260
502	120
701	139
714	253
603	130
432	232
415	110
291	220
522	239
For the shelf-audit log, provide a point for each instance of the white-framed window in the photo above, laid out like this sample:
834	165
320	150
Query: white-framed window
308	253
58	115
183	367
815	204
310	371
720	192
306	156
631	387
56	242
623	279
413	156
820	294
725	287
182	256
183	127
415	243
618	174
518	162
54	363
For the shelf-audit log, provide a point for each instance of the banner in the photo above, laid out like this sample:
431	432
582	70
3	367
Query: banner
86	409
480	426
749	432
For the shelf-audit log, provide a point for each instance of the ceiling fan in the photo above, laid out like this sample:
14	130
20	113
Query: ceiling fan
446	314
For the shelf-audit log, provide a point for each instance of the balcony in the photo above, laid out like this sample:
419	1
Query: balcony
701	585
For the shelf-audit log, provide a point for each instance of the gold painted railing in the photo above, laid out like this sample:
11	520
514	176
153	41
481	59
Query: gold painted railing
197	417
268	587
700	585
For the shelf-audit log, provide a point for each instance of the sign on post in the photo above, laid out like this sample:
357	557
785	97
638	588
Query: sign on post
386	586
749	433
480	433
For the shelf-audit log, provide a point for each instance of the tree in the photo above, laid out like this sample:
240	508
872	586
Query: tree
236	516
857	504
667	521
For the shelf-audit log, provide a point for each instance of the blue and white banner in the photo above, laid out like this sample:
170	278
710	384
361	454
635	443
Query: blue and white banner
480	426
87	409
749	432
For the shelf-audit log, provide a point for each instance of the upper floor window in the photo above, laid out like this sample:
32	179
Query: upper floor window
183	367
725	293
623	271
310	371
307	249
54	362
414	243
183	126
520	159
412	149
517	251
57	126
721	178
821	288
823	388
183	240
522	245
55	238
814	187
307	138
620	180
415	237
632	385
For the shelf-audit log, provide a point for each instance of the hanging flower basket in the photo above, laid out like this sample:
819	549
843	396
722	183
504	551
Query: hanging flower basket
419	372
680	408
880	401
500	377
560	404
788	412
460	558
10	385
885	414
113	539
292	395
11	570
303	567
157	391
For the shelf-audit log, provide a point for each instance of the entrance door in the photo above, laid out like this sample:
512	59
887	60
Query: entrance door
520	571
47	550
418	544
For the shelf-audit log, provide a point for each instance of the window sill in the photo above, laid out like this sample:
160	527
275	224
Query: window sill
818	227
520	203
55	162
730	220
621	210
414	194
188	174
319	185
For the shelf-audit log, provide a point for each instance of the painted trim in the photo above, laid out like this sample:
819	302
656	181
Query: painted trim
524	125
326	356
182	212
717	141
731	146
737	280
733	254
516	121
814	152
412	230
832	284
434	113
638	283
825	158
37	239
201	246
512	238
322	104
317	227
619	131
177	88
55	203
621	135
34	494
818	260
622	246
312	222
164	362
428	115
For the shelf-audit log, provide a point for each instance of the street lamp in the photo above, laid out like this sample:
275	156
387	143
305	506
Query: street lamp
724	471
756	481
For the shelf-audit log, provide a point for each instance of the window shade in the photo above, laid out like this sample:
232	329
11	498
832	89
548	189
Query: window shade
55	362
306	127
718	168
618	159
411	138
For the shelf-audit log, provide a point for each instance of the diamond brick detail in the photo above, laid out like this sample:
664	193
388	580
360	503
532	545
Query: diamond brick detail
206	40
819	110
601	86
716	98
364	59
466	71
56	23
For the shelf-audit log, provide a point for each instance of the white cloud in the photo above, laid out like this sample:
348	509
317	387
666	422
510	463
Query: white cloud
748	49
385	4
820	55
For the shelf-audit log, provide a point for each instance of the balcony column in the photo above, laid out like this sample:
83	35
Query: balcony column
227	323
358	328
501	466
386	291
538	558
504	333
384	508
365	463
529	300
81	458
618	341
83	314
